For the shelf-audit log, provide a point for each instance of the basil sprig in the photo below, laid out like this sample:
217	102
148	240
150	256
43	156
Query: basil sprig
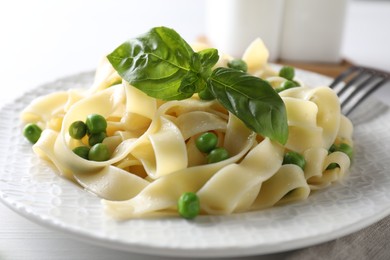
252	100
163	65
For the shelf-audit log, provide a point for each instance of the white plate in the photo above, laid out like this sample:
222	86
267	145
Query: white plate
31	187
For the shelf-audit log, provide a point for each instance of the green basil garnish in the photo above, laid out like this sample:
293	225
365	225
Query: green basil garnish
251	99
164	66
155	62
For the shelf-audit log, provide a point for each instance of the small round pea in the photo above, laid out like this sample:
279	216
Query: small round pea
206	94
286	85
99	152
96	138
343	147
188	205
347	149
287	72
218	154
96	123
332	166
294	158
206	142
333	148
78	130
32	132
82	151
238	64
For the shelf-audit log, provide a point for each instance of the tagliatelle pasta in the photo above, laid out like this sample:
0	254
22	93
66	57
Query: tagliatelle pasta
154	158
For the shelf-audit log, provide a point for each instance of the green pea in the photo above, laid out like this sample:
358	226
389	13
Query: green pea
96	123
82	151
188	205
206	142
238	64
343	147
332	166
286	85
99	152
96	138
206	94
279	89
333	148
78	129
32	132
218	154
287	72
294	158
347	149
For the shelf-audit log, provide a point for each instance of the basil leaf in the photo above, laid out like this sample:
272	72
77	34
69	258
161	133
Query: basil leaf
191	83
252	100
161	64
208	57
155	63
195	62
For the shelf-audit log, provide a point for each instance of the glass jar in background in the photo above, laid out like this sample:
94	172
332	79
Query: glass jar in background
231	25
313	30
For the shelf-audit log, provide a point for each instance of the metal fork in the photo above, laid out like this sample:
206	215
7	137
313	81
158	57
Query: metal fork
355	84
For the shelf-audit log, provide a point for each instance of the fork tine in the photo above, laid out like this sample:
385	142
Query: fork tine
359	83
360	74
343	76
352	102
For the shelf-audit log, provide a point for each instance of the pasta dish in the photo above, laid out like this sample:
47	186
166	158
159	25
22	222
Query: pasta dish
149	152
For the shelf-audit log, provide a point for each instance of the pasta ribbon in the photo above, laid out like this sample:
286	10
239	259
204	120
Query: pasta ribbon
154	157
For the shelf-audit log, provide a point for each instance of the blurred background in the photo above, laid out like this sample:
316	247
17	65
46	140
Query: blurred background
42	40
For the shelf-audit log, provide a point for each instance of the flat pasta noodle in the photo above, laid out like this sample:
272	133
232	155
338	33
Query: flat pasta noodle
187	180
286	185
236	186
154	157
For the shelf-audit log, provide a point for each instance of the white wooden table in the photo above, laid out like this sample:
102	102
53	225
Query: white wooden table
37	46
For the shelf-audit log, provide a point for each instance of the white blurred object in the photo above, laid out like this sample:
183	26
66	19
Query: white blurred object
313	30
231	25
